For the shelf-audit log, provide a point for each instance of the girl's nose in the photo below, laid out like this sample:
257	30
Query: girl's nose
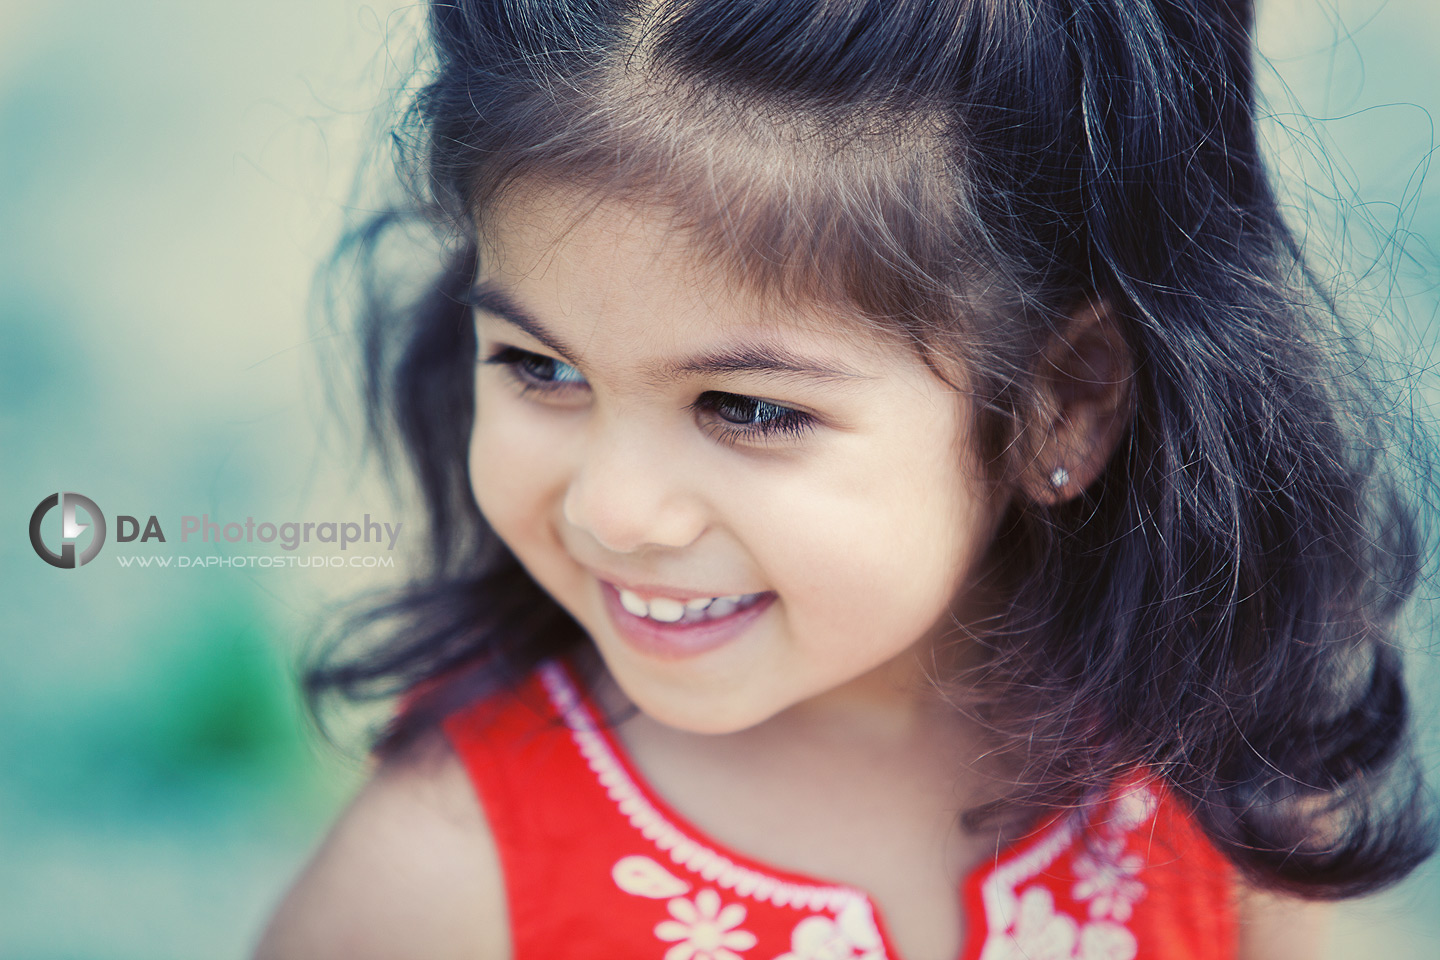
629	492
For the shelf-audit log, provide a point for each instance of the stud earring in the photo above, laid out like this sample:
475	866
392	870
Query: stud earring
1059	478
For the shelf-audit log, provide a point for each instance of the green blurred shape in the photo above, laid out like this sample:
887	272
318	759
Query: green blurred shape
222	708
212	720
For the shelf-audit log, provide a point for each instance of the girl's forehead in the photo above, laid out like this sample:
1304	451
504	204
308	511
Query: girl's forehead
542	233
571	260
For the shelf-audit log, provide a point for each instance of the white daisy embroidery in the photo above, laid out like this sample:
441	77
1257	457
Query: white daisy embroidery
1039	933
1107	880
701	930
851	935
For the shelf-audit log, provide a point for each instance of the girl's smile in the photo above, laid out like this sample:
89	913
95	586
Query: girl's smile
666	628
740	509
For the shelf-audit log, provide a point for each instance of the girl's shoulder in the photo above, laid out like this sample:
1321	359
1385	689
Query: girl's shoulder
409	869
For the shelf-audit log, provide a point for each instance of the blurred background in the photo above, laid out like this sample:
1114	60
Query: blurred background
171	173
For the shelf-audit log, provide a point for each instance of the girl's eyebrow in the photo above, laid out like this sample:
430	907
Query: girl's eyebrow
745	358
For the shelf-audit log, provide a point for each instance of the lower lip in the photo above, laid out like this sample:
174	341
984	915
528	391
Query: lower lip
677	641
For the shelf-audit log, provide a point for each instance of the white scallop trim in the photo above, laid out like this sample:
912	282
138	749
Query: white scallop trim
684	851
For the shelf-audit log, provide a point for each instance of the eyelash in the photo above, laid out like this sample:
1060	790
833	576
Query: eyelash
782	422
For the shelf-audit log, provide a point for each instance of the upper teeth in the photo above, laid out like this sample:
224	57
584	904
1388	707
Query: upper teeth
668	610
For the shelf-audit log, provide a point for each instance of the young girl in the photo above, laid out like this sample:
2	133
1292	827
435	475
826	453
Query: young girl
896	490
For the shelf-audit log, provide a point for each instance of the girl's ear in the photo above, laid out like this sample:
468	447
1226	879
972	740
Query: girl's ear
1084	379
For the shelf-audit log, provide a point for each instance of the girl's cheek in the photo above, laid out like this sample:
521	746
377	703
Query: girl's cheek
864	522
515	458
809	532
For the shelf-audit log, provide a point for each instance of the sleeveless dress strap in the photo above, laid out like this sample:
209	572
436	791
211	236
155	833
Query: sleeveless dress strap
553	827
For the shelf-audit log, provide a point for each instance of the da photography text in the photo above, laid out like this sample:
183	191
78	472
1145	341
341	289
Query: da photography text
129	528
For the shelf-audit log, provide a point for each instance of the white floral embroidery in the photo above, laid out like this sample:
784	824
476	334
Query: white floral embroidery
1039	933
851	935
1109	885
643	877
1107	879
1020	915
703	929
1102	940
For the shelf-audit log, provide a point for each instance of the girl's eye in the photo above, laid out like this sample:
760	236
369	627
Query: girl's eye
740	418
733	417
534	371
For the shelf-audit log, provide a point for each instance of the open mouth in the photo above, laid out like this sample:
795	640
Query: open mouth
671	628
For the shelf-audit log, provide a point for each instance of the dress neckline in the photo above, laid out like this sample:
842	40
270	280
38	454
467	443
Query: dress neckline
754	877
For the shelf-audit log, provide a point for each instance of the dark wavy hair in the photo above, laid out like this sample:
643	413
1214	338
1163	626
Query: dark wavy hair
1220	606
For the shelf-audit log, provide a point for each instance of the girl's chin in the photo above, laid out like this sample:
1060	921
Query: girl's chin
686	719
689	708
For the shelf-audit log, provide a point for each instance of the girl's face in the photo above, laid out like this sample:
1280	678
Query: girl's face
648	438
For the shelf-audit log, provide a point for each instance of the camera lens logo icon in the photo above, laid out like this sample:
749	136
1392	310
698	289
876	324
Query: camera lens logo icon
70	530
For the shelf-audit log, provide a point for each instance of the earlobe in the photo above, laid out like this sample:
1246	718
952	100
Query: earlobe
1083	380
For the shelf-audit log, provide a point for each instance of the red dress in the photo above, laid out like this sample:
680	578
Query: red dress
598	866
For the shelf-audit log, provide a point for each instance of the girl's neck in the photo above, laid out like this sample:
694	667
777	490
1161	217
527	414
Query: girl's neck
894	703
892	707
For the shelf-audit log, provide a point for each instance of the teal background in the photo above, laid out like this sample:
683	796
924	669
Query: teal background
170	174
